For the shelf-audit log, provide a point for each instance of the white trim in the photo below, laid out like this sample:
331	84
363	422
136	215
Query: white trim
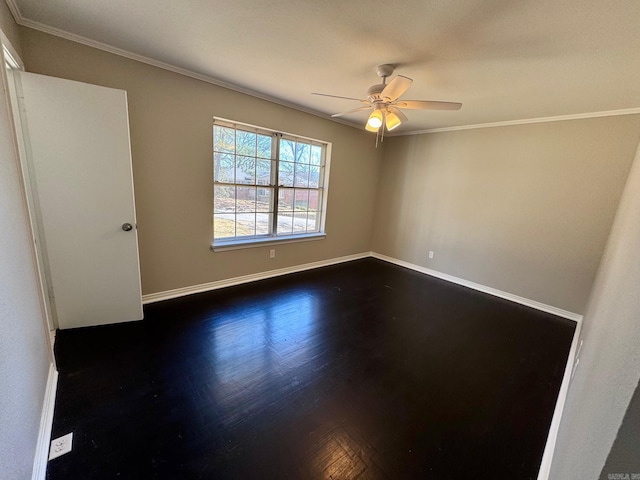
526	121
482	288
10	61
20	20
226	122
205	287
547	457
235	243
23	149
175	69
10	53
46	420
545	465
15	11
266	241
46	423
325	190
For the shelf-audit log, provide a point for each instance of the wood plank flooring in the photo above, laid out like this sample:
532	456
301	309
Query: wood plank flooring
362	370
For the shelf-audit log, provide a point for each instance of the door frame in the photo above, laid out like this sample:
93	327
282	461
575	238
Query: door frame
11	62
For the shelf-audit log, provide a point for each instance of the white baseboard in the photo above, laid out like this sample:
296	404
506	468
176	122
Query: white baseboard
545	466
229	282
205	287
482	288
547	456
46	423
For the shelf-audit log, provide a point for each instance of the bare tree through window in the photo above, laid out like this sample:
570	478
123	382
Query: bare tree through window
266	184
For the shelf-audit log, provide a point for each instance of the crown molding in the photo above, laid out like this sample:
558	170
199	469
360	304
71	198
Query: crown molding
15	11
526	121
25	22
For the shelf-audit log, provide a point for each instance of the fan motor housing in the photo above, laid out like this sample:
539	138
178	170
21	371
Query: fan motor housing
374	91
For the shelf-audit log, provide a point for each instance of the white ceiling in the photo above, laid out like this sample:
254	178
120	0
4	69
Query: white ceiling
503	59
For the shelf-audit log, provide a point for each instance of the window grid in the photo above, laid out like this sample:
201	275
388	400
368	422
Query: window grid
294	184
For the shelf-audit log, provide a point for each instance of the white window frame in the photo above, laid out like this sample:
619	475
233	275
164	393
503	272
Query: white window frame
235	243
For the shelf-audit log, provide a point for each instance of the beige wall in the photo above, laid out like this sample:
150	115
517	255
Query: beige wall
609	369
525	209
9	27
171	130
24	347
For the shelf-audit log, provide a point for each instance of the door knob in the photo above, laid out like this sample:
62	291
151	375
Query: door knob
127	227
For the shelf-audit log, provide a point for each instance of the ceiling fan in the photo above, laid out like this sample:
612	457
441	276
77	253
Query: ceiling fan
385	101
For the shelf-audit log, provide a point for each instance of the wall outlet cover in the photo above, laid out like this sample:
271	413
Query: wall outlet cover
60	446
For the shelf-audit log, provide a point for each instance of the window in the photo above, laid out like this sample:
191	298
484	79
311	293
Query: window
268	186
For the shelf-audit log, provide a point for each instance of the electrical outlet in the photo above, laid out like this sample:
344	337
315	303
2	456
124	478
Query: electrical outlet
430	253
60	446
272	253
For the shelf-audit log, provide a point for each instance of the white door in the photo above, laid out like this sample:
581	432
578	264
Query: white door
76	140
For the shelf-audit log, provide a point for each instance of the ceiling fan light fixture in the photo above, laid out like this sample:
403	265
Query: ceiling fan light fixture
392	121
375	120
384	99
370	129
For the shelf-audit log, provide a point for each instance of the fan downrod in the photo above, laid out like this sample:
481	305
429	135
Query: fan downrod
373	93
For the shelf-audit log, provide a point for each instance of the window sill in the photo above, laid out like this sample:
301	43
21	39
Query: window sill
263	242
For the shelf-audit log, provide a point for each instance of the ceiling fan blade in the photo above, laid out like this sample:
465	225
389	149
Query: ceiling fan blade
427	105
337	96
359	109
395	88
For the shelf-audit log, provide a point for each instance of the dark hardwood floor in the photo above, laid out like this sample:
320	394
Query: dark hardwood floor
362	370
